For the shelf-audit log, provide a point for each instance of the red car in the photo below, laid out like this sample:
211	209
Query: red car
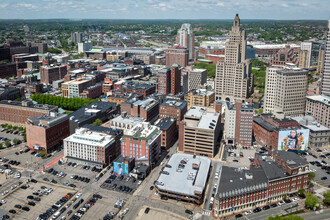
314	156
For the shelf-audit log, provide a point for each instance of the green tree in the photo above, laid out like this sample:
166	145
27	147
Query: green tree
97	122
9	126
285	197
24	137
7	143
54	50
211	68
311	201
1	145
301	191
21	129
15	141
290	217
15	127
311	177
326	198
4	125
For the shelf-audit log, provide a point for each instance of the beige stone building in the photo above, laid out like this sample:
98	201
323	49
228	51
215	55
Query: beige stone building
234	79
319	107
199	131
199	97
285	91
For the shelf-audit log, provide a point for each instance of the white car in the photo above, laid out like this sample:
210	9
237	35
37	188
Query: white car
3	201
13	187
139	183
4	192
295	200
281	203
248	212
78	195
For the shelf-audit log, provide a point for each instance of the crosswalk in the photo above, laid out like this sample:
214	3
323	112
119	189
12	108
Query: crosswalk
207	213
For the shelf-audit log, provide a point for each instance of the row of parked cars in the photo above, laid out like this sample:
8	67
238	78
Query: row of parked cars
85	207
57	173
80	178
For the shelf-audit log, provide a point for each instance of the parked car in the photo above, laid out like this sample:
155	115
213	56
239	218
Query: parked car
188	212
147	210
248	212
256	210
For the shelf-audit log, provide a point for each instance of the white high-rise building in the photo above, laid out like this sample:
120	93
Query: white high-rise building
76	37
325	88
82	47
186	38
285	91
234	80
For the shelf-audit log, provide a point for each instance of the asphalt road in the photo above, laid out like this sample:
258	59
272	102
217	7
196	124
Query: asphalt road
324	215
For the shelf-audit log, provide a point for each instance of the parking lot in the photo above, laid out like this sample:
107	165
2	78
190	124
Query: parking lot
121	184
156	214
320	173
10	136
19	197
238	156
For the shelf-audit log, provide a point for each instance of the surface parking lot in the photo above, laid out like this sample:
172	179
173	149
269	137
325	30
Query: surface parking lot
19	197
121	184
239	156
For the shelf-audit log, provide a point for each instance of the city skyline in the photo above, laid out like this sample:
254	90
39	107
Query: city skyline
164	9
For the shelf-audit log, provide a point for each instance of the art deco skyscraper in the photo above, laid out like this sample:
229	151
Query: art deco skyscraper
234	80
186	38
325	89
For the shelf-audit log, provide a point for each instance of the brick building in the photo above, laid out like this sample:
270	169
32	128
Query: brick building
10	69
274	175
147	109
19	112
24	57
173	108
142	142
284	55
266	129
200	97
120	97
42	47
46	132
169	130
48	74
178	55
175	78
132	87
92	92
164	81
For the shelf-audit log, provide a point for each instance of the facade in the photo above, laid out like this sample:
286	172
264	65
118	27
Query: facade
285	91
313	51
92	92
284	55
142	142
184	178
186	38
92	147
178	55
274	175
169	130
147	109
9	93
266	129
325	88
200	97
230	122
76	37
120	97
319	107
196	78
175	79
319	135
243	125
82	47
173	109
74	88
42	47
48	74
46	132
137	88
199	132
234	79
19	112
164	81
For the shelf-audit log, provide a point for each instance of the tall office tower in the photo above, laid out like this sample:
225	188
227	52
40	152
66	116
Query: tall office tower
175	78
234	79
196	78
164	81
186	38
325	89
76	37
286	91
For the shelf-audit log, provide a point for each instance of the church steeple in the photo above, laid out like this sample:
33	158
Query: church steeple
236	21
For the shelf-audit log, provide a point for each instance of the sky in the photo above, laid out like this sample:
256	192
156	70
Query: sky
165	9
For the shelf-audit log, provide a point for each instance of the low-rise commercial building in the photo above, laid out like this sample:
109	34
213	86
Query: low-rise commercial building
274	175
46	132
173	108
125	122
19	112
199	132
93	146
74	88
147	109
184	178
200	97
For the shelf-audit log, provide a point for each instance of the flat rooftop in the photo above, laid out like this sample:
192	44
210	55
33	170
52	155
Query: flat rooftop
320	98
48	120
185	180
180	104
165	123
89	137
30	105
207	120
130	120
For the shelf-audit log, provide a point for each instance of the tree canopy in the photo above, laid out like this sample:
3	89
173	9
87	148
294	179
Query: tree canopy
311	201
211	68
97	122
